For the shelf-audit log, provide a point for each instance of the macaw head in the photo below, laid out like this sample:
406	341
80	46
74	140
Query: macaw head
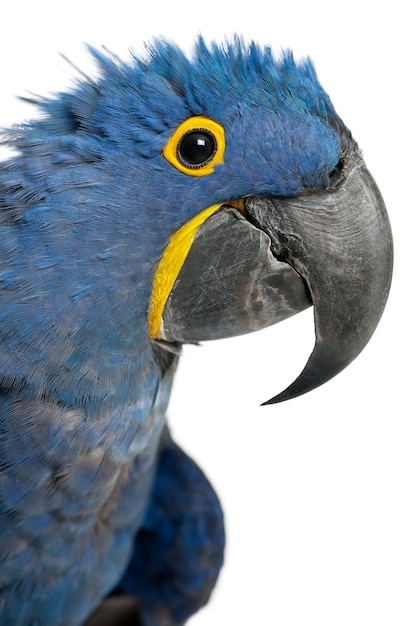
284	212
199	198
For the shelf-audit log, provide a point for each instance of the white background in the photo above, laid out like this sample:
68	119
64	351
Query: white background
320	492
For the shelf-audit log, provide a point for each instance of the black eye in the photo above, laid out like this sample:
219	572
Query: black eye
196	148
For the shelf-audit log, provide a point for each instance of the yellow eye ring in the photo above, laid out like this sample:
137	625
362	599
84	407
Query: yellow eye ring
196	147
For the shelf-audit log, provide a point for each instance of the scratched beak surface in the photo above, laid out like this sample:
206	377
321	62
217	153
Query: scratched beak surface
230	283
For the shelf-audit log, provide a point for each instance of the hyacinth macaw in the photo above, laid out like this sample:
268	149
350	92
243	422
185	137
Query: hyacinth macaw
172	199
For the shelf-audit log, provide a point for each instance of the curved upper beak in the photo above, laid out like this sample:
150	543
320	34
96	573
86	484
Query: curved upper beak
340	242
247	270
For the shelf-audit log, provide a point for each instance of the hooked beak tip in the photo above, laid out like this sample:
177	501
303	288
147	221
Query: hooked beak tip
341	244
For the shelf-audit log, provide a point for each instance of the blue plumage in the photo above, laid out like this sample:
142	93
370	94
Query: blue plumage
88	205
171	546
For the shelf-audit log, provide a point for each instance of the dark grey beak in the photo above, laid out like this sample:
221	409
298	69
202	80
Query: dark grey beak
339	241
248	270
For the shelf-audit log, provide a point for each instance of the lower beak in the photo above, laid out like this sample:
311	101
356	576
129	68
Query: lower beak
230	283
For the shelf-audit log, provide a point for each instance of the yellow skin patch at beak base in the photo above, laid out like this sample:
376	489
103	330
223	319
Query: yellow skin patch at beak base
172	261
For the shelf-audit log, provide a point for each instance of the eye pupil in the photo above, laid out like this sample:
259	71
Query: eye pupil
196	148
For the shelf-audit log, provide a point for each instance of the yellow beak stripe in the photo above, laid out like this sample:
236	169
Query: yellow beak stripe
170	266
171	263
